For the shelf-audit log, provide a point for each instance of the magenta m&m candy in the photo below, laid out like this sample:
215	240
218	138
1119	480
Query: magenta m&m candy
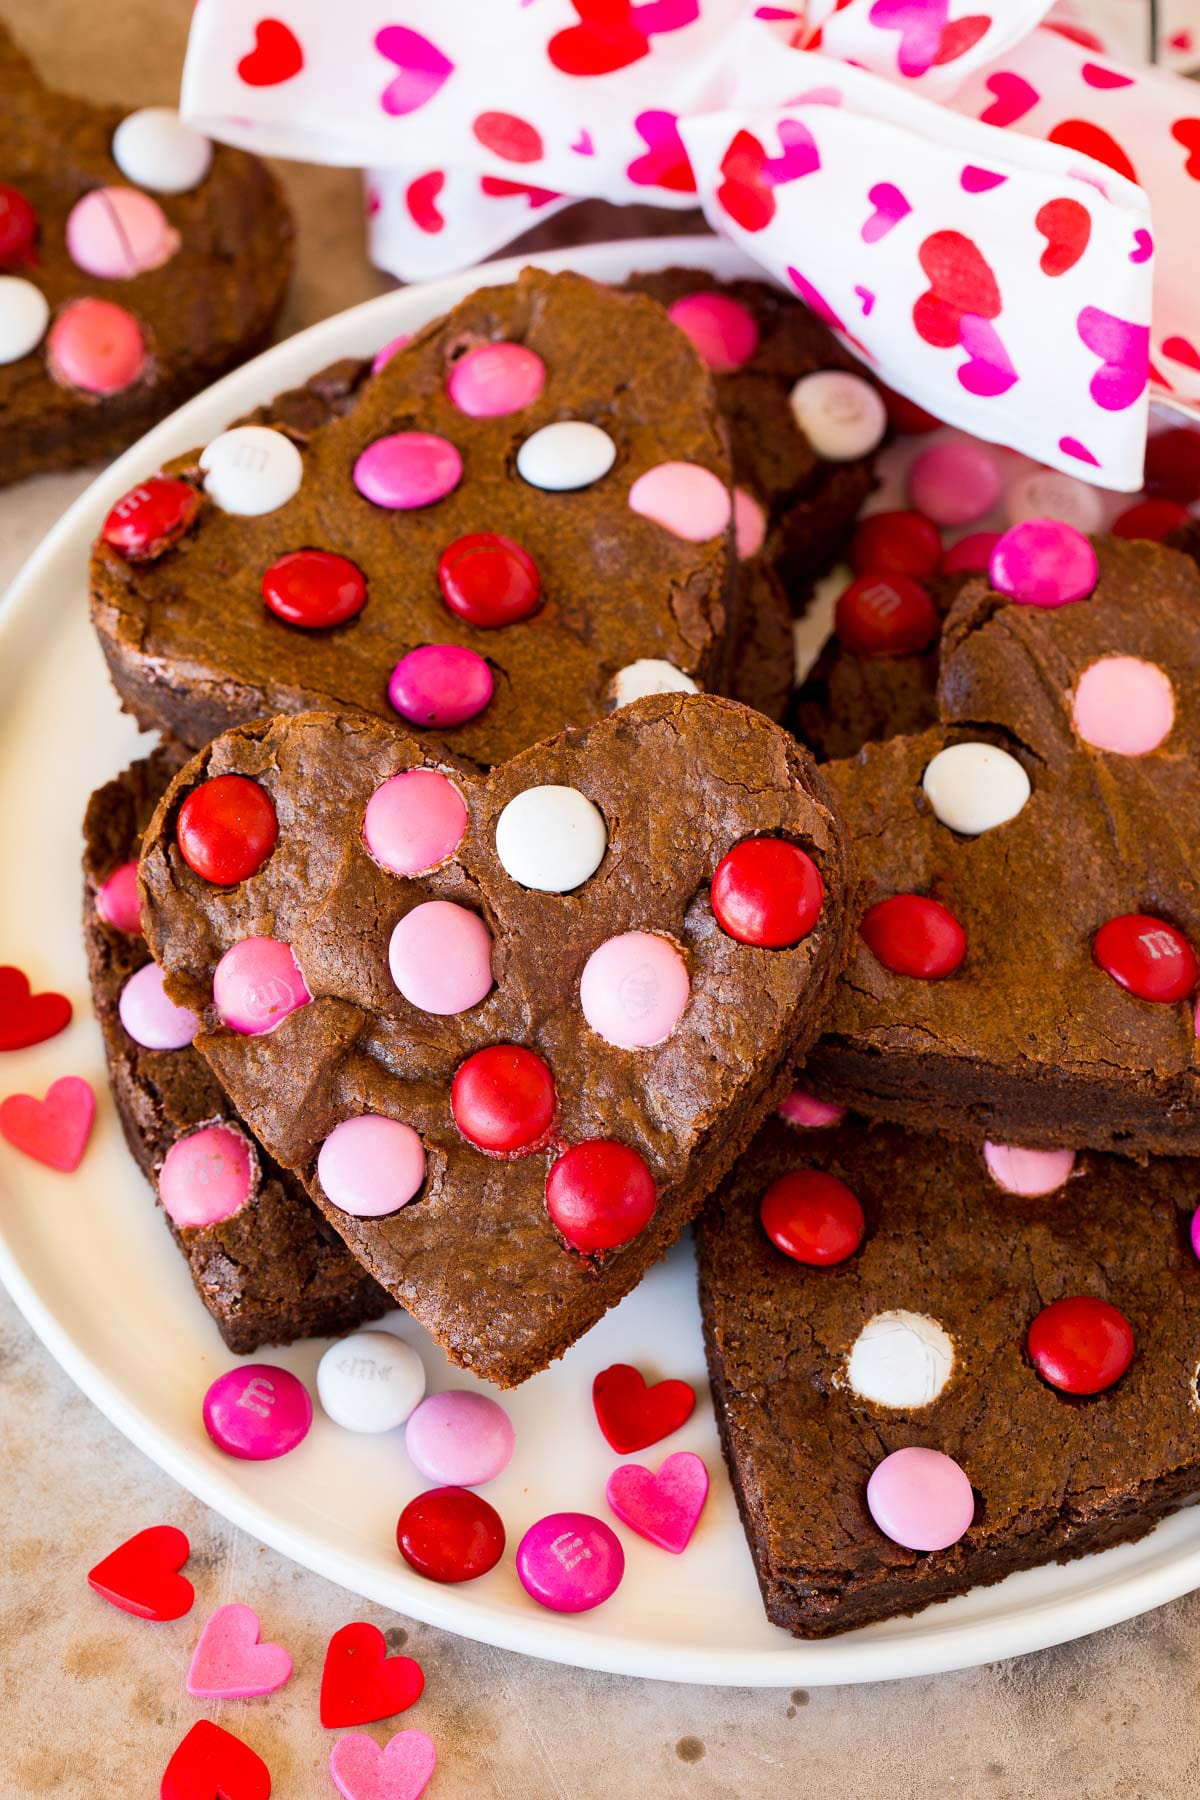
1030	1173
913	935
723	332
118	903
371	1166
227	829
767	892
151	517
440	685
684	498
459	1439
1125	705
1196	1232
97	347
257	1411
450	1534
117	233
1043	563
570	1562
885	615
207	1176
749	525
600	1195
806	1111
415	821
495	379
954	482
24	315
503	1100
896	543
489	581
314	589
407	470
256	984
149	1017
1080	1345
921	1499
970	554
440	956
812	1217
385	353
18	228
1147	956
634	989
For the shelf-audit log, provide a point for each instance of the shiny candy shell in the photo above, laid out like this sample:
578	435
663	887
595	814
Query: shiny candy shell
450	1534
18	228
256	984
408	470
1043	563
913	935
723	332
257	1412
151	517
492	380
118	903
570	1562
1030	1173
812	1217
227	829
116	233
806	1111
24	315
1049	494
314	589
460	1439
415	821
569	454
440	685
371	1166
489	580
767	892
600	1194
370	1381
1125	705
1080	1344
440	956
842	416
551	838
252	470
149	1017
684	498
954	482
634	989
96	346
1147	956
972	788
154	149
896	543
885	615
504	1100
901	1359
649	675
207	1176
920	1498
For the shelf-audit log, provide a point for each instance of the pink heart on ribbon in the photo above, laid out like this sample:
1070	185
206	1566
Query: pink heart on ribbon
55	1130
799	154
422	69
229	1663
1097	76
1143	249
1124	352
583	145
890	207
988	371
665	163
1072	447
979	181
664	1507
920	24
866	300
1014	97
658	16
400	1771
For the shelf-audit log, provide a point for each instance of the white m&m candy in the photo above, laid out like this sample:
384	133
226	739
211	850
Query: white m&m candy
841	415
900	1359
975	787
154	149
370	1381
570	454
551	838
251	470
24	315
649	675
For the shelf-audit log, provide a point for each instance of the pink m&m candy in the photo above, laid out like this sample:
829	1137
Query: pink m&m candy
724	333
257	1412
1196	1231
407	470
117	901
806	1112
440	685
371	1166
459	1439
954	482
570	1562
256	984
96	346
685	499
634	989
494	379
440	956
1125	705
749	524
149	1017
385	353
117	233
1030	1173
920	1498
415	821
207	1176
1043	563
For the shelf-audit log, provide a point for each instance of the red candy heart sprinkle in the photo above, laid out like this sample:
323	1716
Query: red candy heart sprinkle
227	829
1081	1345
633	1413
1145	955
450	1534
600	1194
212	1764
141	1575
55	1130
812	1217
27	1018
361	1682
151	517
314	589
503	1100
912	935
885	615
488	580
767	892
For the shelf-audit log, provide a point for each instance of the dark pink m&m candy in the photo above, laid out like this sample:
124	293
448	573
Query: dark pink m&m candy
450	1534
151	517
570	1562
440	684
1042	562
1147	956
314	589
257	1411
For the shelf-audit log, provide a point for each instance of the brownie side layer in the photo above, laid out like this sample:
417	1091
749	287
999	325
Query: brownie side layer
1055	1476
275	1271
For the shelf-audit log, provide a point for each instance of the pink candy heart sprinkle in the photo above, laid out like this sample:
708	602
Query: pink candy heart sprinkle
664	1507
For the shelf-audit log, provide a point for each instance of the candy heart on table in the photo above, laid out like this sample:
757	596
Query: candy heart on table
55	1130
401	1770
212	1764
277	55
142	1576
361	1682
229	1662
633	1413
664	1506
25	1017
536	1004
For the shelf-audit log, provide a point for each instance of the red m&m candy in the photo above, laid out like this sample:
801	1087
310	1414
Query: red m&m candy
1147	956
767	892
600	1194
896	543
18	228
227	829
912	935
151	517
1173	464
503	1099
314	589
885	615
812	1217
488	580
1081	1345
971	554
1153	519
450	1534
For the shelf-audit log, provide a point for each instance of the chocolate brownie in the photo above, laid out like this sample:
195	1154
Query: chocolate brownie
1028	1037
809	504
673	783
274	1271
1055	1476
192	647
207	303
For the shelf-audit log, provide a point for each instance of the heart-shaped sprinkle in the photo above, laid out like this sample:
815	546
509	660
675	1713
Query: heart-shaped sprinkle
212	1764
141	1576
229	1662
664	1507
361	1682
634	1414
25	1017
400	1771
55	1130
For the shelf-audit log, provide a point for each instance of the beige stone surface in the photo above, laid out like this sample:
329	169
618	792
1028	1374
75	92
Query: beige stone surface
92	1702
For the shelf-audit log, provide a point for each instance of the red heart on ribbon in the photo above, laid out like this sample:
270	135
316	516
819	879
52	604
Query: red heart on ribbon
1089	140
1187	133
632	1414
745	193
361	1682
605	39
212	1764
420	196
55	1130
960	281
276	55
959	36
1066	226
27	1018
141	1575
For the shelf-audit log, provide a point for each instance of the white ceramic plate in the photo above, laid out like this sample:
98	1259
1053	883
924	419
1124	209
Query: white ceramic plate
95	1272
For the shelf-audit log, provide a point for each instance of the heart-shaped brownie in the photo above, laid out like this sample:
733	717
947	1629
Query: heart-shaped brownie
509	1029
137	263
1026	966
522	518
